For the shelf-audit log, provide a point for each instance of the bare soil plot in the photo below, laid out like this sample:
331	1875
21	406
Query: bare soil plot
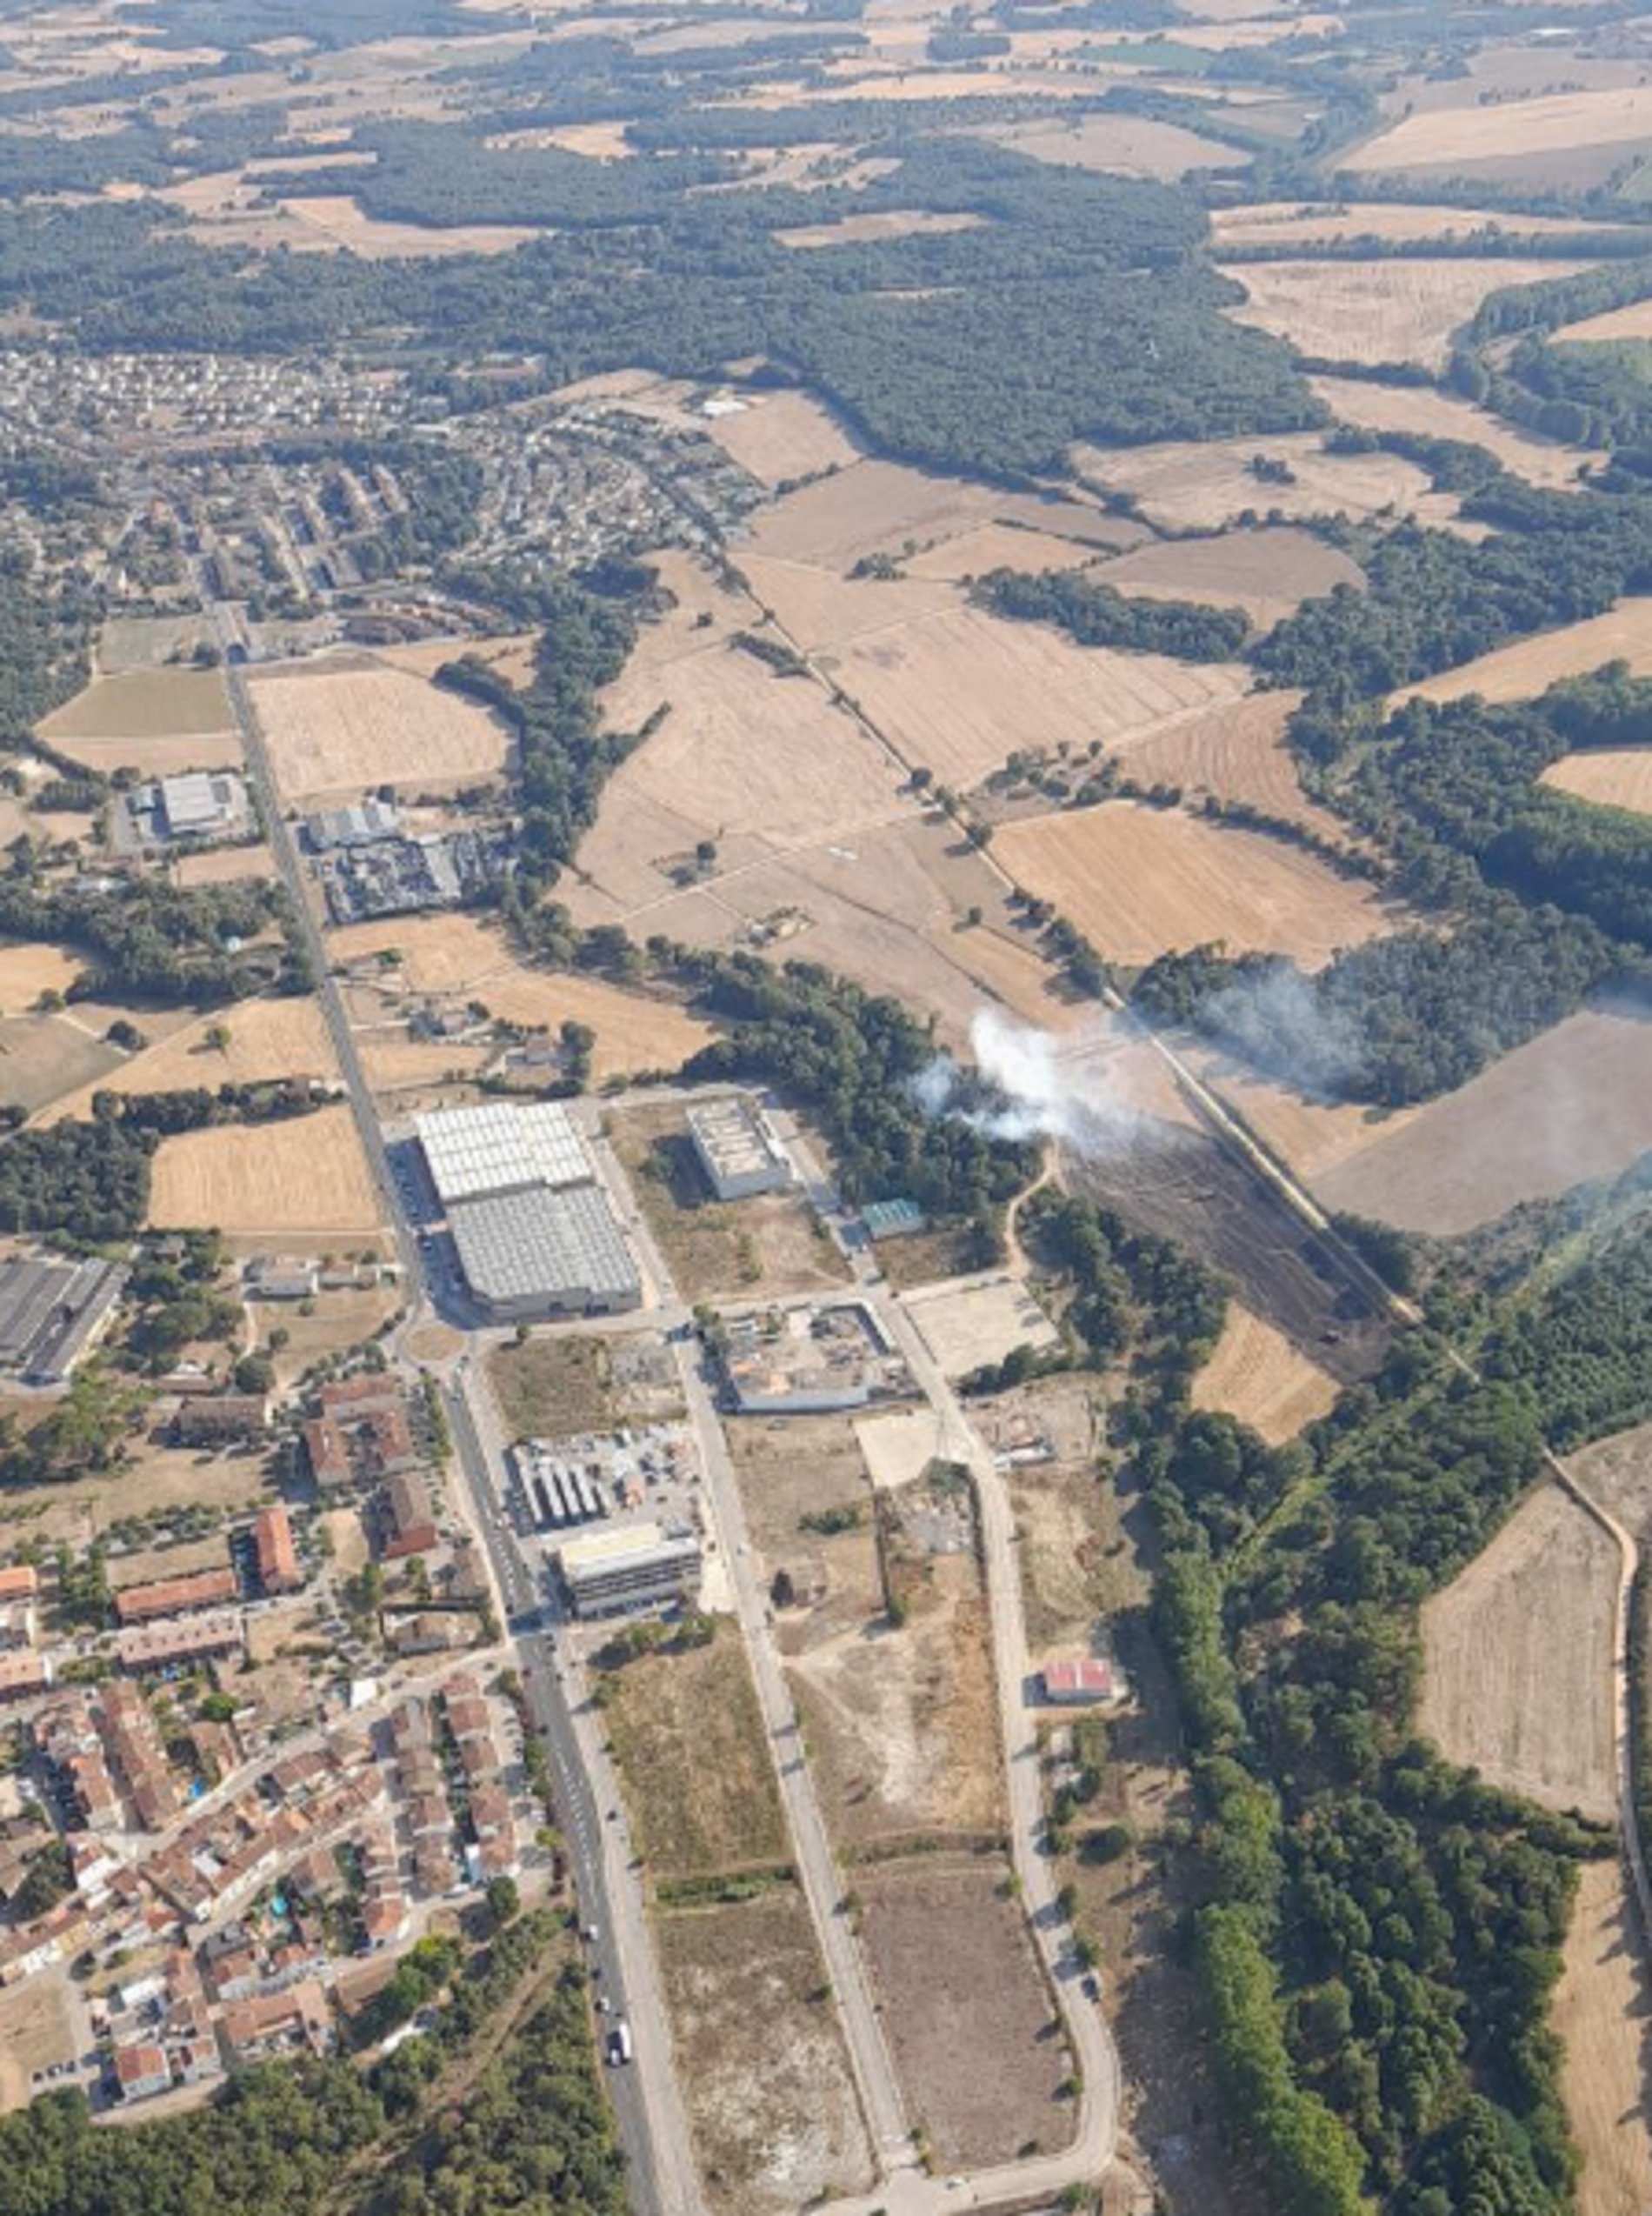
1615	324
1125	145
1256	1375
1470	137
342	222
878	223
791	1467
43	1056
1184	485
339	728
899	1446
1137	881
546	1388
965	2008
1517	1658
340	1322
1295	223
1238	751
965	1326
143	703
1384	310
26	971
226	865
36	2029
1574	1104
1618	1472
1266	573
266	1038
1602	2008
959	691
307	1176
144	641
689	1737
1420	411
1076	1570
770	1244
779	436
350	1552
771	2099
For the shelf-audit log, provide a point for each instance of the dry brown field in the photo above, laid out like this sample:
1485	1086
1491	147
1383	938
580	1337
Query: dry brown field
1256	1375
1305	223
340	1321
964	2005
998	546
142	642
1464	137
286	1038
422	1072
340	221
1266	573
818	609
142	704
872	507
689	1737
154	758
633	1032
1137	881
513	657
1612	776
784	436
43	1056
1183	486
27	972
302	1179
1415	409
1238	751
1517	1659
967	1325
1134	146
1383	310
1618	1472
1530	667
225	865
1601	2011
36	2031
1616	324
439	953
771	2100
876	224
340	729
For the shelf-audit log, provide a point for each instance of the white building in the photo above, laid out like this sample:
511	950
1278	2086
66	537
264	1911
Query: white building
738	1150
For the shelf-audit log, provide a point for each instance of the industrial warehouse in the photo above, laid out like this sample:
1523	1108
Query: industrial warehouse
534	1230
51	1311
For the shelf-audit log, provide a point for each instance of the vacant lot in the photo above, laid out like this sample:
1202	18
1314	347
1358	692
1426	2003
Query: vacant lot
1137	881
1602	2007
1465	137
1186	485
1517	1658
27	972
1258	1376
899	1445
341	727
304	1177
143	703
770	1244
36	2031
780	436
771	2100
965	2008
965	1326
1266	573
549	1387
1417	411
1572	1104
1385	310
144	641
225	865
1524	671
339	1321
265	1039
691	1747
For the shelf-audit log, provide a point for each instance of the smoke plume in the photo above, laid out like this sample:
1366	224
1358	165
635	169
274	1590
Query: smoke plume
1027	1083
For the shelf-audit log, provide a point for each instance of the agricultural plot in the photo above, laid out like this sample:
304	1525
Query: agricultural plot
1517	1658
1237	752
1613	327
876	507
1531	665
1136	146
1600	2013
43	1056
1534	134
155	721
425	953
1419	411
967	1325
261	1040
341	727
1281	222
876	224
1385	310
1183	486
633	1032
1256	1375
1000	546
306	1177
965	2008
512	656
1267	574
27	971
1138	881
771	2100
1618	1472
334	219
780	436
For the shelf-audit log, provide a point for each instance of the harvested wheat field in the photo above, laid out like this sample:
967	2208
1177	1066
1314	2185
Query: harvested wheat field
999	546
339	727
286	1038
339	221
1602	2008
1257	1376
1615	325
1184	485
1302	224
225	865
957	692
1385	310
1461	137
1136	146
818	609
1572	1104
27	972
1612	776
143	703
1239	752
512	656
305	1176
876	224
1421	412
780	436
1266	573
633	1032
1530	667
1517	1658
1139	881
438	953
872	507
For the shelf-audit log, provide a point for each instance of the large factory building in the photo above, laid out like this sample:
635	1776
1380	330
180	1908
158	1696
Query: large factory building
534	1230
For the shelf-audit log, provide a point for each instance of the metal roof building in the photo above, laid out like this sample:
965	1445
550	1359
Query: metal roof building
544	1252
500	1147
636	1567
738	1150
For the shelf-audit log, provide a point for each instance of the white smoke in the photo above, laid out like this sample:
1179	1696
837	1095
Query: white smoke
1028	1084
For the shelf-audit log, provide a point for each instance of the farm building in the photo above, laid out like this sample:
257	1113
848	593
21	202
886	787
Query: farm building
51	1311
1082	1681
198	804
280	1277
737	1149
616	1572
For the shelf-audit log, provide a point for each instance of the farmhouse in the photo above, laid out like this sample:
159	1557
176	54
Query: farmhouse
738	1150
616	1572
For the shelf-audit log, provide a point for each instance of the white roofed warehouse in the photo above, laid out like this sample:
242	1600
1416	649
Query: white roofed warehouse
738	1150
638	1567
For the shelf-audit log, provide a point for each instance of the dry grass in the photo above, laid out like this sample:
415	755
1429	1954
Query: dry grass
341	1320
226	865
306	1178
689	1737
1238	751
396	1063
1517	1658
1421	412
1633	322
267	1039
1138	881
877	224
1612	776
771	2100
965	2009
340	222
1123	145
27	972
870	507
782	436
1184	485
1381	310
633	1030
438	953
965	1326
547	1388
1268	574
1530	667
513	656
43	1056
1256	1375
143	642
340	729
1302	224
1601	2009
1461	137
36	2030
998	546
142	705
